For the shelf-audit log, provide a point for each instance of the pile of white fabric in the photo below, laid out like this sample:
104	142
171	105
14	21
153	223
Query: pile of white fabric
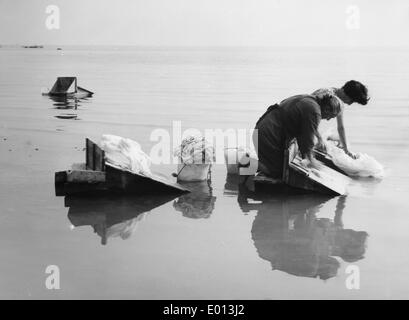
195	150
363	166
126	154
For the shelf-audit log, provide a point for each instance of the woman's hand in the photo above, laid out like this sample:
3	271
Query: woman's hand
312	163
349	153
320	146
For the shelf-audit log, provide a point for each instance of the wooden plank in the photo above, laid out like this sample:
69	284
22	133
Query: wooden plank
290	153
83	89
89	154
88	176
95	156
78	166
130	182
64	187
263	184
59	179
72	188
325	180
267	180
327	160
117	181
99	158
319	180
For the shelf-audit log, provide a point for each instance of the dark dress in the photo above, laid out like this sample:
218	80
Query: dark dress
296	117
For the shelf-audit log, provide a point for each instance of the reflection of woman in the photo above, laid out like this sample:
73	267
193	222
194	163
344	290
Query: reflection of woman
287	233
197	204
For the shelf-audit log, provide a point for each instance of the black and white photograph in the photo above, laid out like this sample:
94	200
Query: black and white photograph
204	150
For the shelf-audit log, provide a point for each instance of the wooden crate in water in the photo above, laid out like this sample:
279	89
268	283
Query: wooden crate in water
101	177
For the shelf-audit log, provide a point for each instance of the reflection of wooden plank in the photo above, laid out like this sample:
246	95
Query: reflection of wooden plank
101	213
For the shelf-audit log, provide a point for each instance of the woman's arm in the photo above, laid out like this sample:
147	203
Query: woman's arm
308	129
342	135
320	143
341	131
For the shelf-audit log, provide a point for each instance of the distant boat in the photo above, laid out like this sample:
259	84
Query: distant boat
67	87
59	49
33	47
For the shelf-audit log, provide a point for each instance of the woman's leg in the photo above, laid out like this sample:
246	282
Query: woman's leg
270	156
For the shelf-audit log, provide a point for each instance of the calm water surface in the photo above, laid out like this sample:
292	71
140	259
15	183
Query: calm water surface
221	241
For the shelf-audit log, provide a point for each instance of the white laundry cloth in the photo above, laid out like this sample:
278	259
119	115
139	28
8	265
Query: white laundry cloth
363	166
126	154
195	150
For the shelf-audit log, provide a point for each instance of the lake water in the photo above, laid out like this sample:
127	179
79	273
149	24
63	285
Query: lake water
219	242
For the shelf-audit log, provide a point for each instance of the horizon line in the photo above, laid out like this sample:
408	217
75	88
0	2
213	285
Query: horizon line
204	46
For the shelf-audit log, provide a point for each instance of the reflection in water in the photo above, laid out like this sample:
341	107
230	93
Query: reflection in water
112	216
231	187
287	233
199	203
64	103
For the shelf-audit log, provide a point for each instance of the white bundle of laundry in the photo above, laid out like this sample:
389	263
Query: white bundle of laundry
125	154
195	150
363	166
196	156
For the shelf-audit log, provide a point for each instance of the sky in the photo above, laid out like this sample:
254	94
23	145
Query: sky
208	22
